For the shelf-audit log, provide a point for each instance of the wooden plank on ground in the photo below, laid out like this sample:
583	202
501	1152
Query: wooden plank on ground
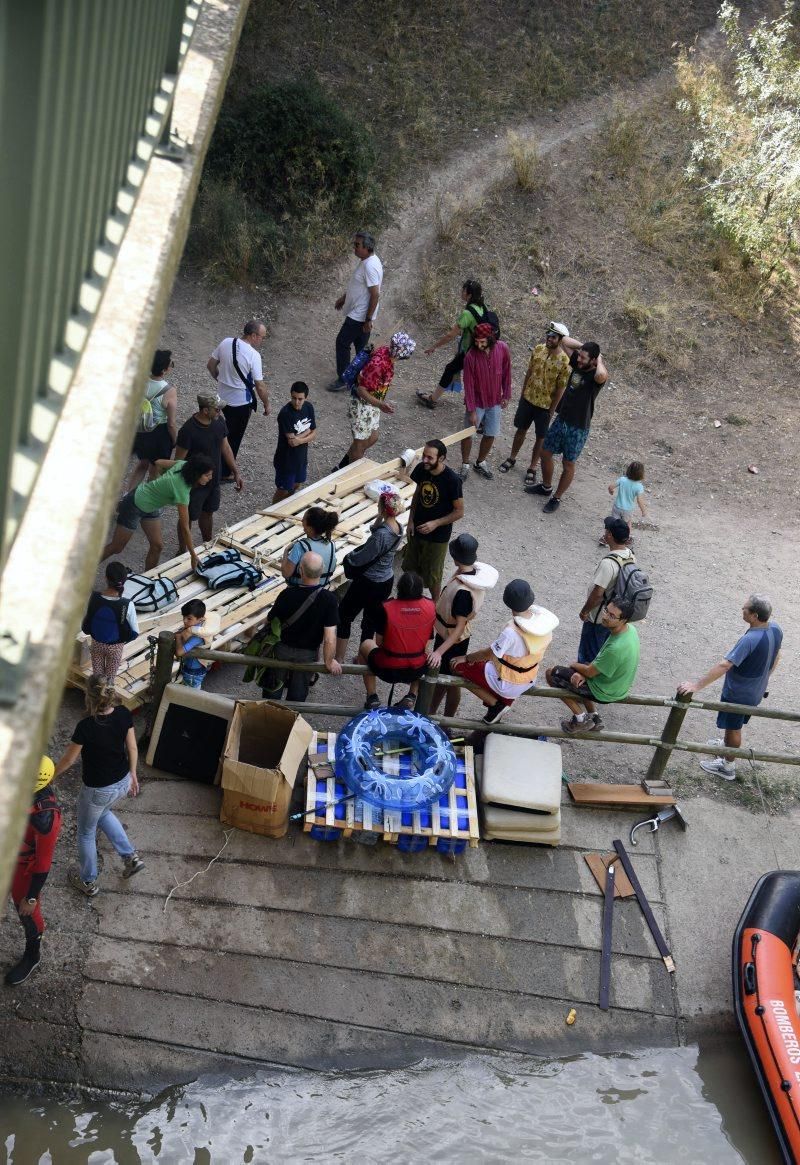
601	796
599	863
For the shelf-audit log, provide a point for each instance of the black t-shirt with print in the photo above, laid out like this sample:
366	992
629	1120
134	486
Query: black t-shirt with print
435	496
309	629
577	403
103	753
295	423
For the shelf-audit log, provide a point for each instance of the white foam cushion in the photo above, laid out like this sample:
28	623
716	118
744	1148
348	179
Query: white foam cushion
522	772
504	824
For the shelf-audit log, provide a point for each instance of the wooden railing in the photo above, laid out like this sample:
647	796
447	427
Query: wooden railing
663	745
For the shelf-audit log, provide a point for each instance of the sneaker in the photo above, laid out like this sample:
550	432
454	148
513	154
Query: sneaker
597	724
28	963
483	469
574	725
719	767
132	865
464	471
90	889
337	386
540	488
551	506
495	713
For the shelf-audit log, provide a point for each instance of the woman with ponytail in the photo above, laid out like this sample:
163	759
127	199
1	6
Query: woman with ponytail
106	744
111	622
318	527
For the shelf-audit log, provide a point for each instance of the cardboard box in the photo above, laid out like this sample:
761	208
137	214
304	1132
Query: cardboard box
266	747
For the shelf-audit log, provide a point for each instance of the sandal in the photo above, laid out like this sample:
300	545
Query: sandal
508	464
407	703
426	399
371	704
530	477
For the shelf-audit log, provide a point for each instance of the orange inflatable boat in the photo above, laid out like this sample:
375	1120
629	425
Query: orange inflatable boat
765	952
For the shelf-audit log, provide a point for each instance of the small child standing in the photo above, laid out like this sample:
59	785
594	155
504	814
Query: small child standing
111	622
628	491
194	633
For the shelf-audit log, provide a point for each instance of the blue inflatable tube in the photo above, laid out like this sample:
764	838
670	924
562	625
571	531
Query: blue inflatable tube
423	773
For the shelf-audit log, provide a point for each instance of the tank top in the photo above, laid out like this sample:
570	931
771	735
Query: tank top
159	410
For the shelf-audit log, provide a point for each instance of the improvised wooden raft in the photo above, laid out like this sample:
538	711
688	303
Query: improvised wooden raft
450	824
262	537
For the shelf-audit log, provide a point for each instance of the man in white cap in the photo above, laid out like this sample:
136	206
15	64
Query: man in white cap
500	673
206	431
542	389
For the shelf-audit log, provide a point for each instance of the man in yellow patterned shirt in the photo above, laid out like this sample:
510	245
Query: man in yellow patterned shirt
545	381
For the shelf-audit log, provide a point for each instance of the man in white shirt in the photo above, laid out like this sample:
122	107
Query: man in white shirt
235	364
360	303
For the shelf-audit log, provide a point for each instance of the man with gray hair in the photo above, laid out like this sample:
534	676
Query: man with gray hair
235	364
746	668
360	303
308	615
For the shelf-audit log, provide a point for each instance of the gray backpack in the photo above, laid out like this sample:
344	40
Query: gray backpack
633	585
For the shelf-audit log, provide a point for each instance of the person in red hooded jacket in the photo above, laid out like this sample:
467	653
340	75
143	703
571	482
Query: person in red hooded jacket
33	866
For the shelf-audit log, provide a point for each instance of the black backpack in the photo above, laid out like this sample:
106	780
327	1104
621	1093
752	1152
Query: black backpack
633	585
488	317
106	620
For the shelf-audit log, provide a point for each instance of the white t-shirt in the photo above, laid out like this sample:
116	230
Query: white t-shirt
508	642
369	273
230	385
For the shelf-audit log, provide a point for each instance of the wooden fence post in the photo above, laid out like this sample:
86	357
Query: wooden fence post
426	689
669	734
165	660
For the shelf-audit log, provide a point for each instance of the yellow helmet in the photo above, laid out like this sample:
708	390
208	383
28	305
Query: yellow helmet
46	772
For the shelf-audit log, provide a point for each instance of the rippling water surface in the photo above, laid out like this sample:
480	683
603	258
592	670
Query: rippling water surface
675	1105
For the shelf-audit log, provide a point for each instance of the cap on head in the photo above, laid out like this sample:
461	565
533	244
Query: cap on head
484	332
518	595
402	346
464	550
209	400
556	329
619	530
46	773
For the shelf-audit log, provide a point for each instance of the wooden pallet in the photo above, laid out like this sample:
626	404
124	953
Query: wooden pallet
263	538
451	823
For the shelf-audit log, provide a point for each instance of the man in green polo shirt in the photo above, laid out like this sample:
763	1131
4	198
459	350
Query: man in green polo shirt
608	678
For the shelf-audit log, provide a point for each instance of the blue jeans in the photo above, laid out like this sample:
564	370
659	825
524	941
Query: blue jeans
593	636
351	335
94	812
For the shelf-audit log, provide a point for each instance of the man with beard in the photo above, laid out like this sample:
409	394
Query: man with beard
569	432
542	390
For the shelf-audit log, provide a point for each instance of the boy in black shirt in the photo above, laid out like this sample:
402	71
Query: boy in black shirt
297	428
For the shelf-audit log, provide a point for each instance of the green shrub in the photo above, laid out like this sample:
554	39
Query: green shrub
286	168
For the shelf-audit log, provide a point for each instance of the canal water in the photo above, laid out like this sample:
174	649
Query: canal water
676	1105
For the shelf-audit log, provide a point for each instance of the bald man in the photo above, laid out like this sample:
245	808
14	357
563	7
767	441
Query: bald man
309	614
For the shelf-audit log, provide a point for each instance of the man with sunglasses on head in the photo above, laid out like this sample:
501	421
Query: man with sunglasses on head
569	432
542	390
207	432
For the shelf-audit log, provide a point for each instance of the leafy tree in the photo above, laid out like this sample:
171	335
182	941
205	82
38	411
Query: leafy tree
745	159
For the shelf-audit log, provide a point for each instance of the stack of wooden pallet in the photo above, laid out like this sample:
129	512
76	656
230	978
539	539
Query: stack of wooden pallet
262	538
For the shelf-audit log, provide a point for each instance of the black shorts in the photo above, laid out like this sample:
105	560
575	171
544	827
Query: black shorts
528	414
457	651
378	664
153	446
560	678
205	500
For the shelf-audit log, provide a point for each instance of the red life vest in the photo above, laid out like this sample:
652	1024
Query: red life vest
409	626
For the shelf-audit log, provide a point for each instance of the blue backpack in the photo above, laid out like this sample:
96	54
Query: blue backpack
359	361
106	620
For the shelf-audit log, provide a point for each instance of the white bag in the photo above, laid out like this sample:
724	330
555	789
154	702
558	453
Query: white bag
374	489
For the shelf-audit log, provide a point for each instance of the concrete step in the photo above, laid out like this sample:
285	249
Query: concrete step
538	867
259	1007
546	916
473	960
